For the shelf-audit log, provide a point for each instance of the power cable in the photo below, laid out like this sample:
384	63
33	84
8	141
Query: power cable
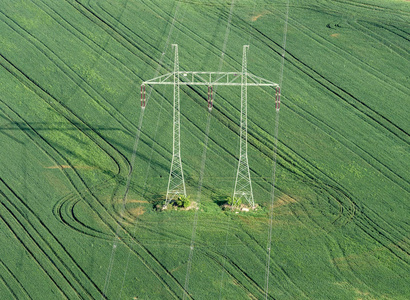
208	126
276	133
133	157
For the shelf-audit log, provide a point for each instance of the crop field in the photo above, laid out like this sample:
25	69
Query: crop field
83	167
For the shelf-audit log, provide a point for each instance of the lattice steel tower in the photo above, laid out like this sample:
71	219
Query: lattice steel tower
243	184
176	184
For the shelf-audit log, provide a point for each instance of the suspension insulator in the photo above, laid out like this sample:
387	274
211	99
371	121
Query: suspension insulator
277	99
212	96
209	95
143	96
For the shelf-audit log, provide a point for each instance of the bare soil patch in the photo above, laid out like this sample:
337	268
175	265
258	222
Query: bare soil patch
256	17
138	211
284	200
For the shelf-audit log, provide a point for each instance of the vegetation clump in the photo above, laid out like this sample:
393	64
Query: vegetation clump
235	204
182	202
234	201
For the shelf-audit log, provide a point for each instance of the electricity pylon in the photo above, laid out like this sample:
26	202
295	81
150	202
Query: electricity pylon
176	184
243	184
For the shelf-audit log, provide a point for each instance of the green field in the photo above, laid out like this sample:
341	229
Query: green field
70	75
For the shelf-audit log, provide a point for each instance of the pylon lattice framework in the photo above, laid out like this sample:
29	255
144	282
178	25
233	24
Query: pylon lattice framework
176	183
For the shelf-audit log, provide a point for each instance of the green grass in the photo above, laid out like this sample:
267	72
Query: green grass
69	114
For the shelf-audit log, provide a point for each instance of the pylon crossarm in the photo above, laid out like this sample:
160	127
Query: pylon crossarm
259	81
210	78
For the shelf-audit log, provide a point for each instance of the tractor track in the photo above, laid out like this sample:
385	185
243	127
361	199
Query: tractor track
96	204
38	253
375	117
43	226
11	280
77	79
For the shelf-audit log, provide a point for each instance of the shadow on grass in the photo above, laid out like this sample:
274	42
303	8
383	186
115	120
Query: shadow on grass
157	201
219	199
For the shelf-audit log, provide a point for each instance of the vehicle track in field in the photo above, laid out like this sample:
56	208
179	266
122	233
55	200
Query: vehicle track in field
354	208
297	205
78	81
63	211
130	239
363	27
394	172
122	123
68	205
128	43
90	191
156	267
374	117
246	283
372	71
331	244
338	91
372	7
349	214
23	234
39	225
289	160
7	285
353	147
229	60
398	246
12	283
388	175
362	153
212	251
398	29
84	38
261	257
65	112
395	181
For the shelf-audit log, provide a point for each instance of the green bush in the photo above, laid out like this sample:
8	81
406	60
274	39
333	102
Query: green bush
183	201
234	201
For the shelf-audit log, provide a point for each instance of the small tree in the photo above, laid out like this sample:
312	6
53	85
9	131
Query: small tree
234	201
183	201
